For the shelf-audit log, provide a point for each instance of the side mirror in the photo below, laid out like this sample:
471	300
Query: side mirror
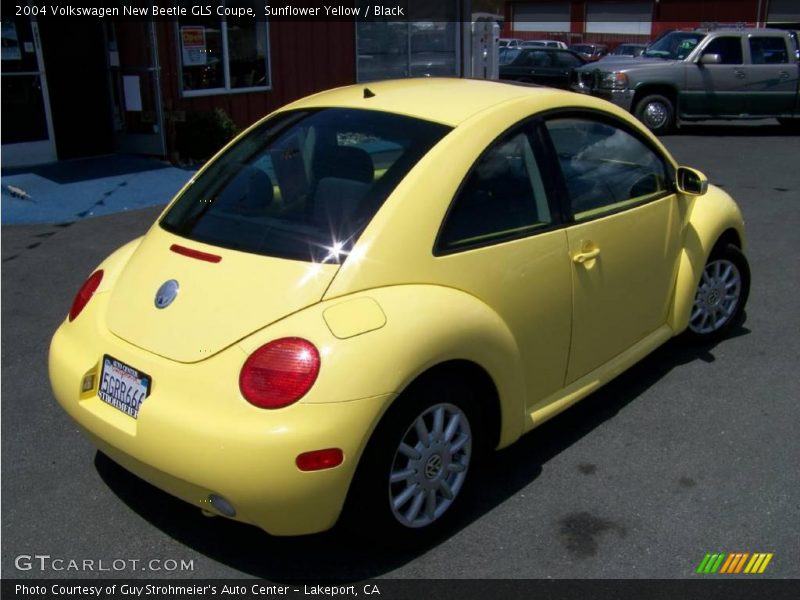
691	182
710	59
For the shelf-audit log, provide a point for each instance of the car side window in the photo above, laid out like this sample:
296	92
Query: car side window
605	168
729	49
768	51
538	58
567	60
503	197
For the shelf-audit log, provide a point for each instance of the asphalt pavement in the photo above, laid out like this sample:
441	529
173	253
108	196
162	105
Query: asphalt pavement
689	452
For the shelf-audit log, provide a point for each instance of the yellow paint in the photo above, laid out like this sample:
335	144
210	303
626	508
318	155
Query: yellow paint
546	329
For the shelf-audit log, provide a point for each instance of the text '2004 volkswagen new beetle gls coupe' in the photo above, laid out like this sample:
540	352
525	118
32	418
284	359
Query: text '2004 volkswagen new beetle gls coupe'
374	286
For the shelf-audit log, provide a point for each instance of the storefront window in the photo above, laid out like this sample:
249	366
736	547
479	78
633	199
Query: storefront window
391	49
223	54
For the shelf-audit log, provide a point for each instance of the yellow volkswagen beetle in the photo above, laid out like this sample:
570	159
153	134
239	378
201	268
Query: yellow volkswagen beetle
373	286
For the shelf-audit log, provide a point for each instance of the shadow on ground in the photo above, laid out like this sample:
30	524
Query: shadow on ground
736	129
335	556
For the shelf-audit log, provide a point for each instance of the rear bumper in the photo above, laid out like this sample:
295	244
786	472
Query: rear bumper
622	98
196	436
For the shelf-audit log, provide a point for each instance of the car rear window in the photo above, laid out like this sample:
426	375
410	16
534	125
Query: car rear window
304	184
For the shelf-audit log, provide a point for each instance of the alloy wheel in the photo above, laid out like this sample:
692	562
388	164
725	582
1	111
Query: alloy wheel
430	465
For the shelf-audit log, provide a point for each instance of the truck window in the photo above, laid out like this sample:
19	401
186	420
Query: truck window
729	49
768	51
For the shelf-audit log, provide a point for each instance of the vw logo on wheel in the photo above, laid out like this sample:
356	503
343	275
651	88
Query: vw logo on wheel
166	293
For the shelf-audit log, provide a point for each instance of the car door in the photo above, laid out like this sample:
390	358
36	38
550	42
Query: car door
623	240
503	242
771	76
717	89
565	61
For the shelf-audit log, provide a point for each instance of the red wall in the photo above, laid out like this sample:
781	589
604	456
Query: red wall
305	57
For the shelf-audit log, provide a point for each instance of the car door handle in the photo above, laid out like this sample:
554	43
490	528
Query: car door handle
783	75
582	257
739	73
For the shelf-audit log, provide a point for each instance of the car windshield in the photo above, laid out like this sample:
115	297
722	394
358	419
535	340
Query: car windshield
674	46
304	184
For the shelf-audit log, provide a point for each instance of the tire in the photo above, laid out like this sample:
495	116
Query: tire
657	112
720	296
419	464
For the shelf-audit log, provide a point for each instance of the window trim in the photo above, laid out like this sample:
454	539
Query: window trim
226	68
528	127
611	120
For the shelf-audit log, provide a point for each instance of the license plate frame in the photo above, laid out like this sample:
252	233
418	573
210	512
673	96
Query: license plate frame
122	386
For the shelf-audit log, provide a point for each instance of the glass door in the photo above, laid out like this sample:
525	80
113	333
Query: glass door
27	132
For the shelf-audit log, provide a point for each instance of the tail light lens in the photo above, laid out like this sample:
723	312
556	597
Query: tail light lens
85	294
279	373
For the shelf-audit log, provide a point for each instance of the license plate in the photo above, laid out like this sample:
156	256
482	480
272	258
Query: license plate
122	386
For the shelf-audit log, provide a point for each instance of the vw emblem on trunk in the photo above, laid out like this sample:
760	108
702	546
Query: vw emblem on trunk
166	293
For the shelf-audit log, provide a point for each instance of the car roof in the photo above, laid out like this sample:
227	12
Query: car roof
446	100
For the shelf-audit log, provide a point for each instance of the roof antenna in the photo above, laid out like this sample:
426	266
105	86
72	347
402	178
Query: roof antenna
368	93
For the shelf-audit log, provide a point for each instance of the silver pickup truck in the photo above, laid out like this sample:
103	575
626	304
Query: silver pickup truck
697	75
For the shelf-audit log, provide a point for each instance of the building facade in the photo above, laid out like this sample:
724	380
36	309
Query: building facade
77	87
616	21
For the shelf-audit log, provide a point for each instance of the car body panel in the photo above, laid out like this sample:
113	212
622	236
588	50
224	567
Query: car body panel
621	297
217	303
708	218
395	308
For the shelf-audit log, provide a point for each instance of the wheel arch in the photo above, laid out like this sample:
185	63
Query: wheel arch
714	219
669	91
479	379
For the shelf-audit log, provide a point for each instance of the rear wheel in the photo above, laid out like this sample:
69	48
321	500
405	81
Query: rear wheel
656	112
720	296
419	463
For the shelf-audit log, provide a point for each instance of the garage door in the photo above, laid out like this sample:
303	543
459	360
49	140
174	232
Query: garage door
541	16
632	17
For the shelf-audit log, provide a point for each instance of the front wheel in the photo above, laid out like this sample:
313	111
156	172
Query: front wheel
720	296
656	112
418	463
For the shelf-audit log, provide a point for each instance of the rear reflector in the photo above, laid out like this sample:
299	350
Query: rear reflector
320	459
191	253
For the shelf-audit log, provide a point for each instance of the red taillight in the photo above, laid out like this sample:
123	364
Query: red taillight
279	373
85	294
320	459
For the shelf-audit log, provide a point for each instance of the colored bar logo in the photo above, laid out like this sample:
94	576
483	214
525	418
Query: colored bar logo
735	562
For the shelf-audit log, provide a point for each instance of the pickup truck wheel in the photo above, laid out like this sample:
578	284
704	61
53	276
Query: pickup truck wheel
656	112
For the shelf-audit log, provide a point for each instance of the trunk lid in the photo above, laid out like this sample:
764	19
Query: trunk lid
217	304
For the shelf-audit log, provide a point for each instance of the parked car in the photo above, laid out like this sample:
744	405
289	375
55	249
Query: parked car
507	55
374	286
509	42
544	43
590	52
696	75
545	66
626	51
